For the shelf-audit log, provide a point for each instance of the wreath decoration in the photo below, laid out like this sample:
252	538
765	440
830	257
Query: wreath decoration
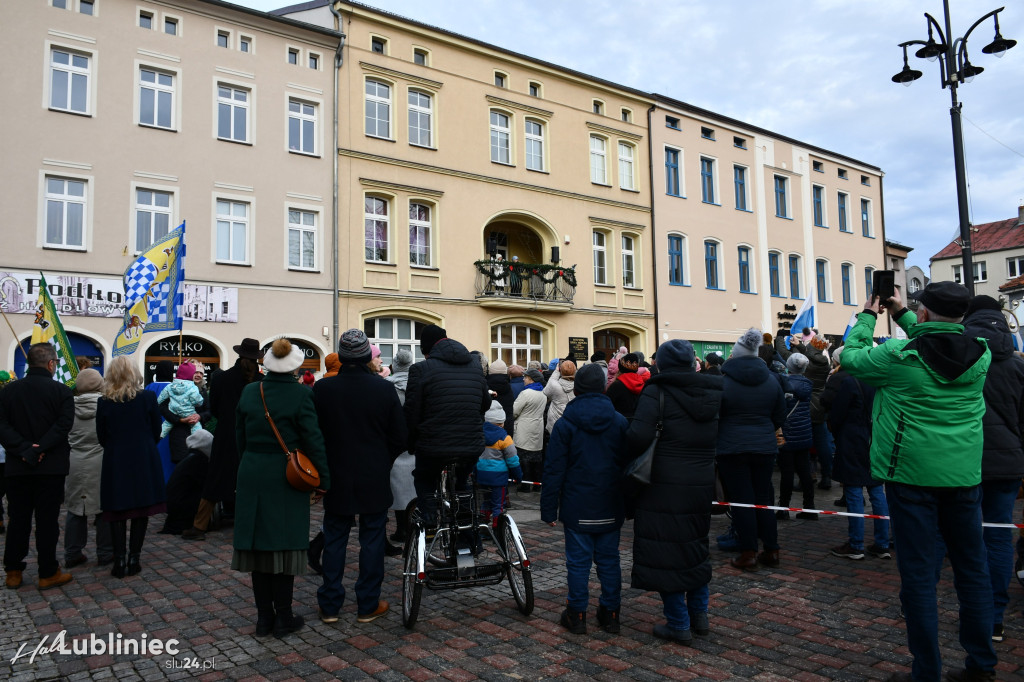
495	270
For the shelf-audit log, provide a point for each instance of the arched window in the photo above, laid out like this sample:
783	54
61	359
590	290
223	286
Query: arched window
516	344
392	334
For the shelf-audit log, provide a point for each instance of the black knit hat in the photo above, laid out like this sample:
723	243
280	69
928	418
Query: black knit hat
354	347
947	299
982	302
589	379
430	335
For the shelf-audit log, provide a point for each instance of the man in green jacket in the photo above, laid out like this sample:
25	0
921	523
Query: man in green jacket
926	445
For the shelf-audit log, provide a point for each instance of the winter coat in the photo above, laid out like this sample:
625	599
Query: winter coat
673	513
184	490
82	486
528	412
818	369
37	410
613	372
132	476
402	489
625	392
517	384
927	413
183	395
849	419
583	467
445	403
501	384
270	515
178	434
797	427
753	407
364	432
225	392
559	392
1003	424
499	461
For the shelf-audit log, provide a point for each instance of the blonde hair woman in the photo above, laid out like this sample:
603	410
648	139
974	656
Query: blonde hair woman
131	478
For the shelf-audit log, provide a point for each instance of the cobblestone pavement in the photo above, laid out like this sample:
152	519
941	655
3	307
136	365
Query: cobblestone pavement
816	617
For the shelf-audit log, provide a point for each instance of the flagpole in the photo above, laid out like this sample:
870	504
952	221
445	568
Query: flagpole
15	335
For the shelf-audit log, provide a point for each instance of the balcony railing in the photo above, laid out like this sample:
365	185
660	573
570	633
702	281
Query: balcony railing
526	282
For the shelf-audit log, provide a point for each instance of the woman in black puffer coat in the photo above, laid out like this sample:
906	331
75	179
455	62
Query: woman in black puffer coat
796	452
673	513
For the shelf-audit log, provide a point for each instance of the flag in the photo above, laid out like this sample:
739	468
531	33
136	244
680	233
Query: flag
805	316
48	329
153	292
849	326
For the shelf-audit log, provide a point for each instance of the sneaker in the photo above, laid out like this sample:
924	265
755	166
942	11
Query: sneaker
807	516
382	608
193	533
846	551
997	632
13	581
55	580
672	635
699	624
574	621
880	552
608	619
325	618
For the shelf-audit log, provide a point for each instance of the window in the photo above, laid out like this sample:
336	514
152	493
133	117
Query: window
598	167
628	263
301	127
672	122
314	61
600	261
156	98
419	234
869	275
865	217
739	179
707	180
780	197
500	79
598	106
821	271
377	228
707	133
69	81
392	334
293	56
744	256
818	202
534	89
65	213
171	27
794	276
223	38
626	166
232	113
676	269
232	231
845	268
711	264
152	217
915	285
739	142
627	115
378	109
774	282
86	6
420	115
59	4
980	272
146	20
818	166
844	225
672	172
1014	267
501	150
843	174
378	45
516	343
534	145
419	57
301	239
865	180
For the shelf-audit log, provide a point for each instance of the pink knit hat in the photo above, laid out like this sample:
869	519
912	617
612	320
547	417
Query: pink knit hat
186	370
374	351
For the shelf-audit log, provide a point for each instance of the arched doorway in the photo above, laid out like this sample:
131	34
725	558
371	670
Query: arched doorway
192	347
609	341
80	345
309	351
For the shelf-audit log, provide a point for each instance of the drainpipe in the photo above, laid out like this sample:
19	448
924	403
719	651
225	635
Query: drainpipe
654	252
338	61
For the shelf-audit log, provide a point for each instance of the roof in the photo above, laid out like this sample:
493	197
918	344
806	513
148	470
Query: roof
278	19
1015	283
896	245
997	236
301	7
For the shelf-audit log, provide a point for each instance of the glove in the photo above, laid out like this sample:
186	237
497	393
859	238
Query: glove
516	473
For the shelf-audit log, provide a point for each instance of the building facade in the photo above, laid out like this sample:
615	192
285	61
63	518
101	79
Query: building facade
997	251
145	115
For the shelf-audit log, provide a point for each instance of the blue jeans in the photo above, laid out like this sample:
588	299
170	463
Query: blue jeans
748	478
372	537
855	505
918	516
679	605
825	446
601	549
997	500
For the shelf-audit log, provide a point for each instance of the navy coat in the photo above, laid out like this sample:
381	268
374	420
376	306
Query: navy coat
753	407
132	476
502	385
797	429
849	419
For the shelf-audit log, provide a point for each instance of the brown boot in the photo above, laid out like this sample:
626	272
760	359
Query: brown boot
746	561
769	558
55	580
13	581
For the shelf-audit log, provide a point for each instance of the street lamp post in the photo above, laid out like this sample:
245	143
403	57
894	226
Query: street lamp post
954	68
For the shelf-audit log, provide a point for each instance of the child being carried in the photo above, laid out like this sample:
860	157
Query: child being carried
184	397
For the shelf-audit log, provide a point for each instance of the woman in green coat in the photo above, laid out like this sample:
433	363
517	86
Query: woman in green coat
271	517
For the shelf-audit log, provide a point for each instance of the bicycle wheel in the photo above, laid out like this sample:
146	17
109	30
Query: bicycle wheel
517	565
412	585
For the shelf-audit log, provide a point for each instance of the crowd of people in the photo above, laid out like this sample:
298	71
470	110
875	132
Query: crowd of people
930	425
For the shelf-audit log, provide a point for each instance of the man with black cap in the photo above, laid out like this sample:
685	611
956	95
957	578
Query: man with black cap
445	402
926	445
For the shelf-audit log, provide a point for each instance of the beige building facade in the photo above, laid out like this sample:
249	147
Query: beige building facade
134	117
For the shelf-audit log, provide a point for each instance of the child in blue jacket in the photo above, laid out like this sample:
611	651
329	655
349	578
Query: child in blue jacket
497	462
582	475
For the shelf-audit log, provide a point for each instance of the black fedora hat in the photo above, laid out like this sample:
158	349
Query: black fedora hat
249	348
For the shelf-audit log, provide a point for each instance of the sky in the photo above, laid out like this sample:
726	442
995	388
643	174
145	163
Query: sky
817	70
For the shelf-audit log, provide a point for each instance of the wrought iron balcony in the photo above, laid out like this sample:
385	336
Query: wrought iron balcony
512	283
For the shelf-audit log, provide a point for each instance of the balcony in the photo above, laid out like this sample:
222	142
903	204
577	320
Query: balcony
505	284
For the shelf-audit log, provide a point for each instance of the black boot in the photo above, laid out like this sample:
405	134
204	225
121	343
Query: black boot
284	622
263	593
401	526
118	531
608	619
138	535
574	621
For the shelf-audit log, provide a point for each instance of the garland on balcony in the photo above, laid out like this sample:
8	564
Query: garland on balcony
503	270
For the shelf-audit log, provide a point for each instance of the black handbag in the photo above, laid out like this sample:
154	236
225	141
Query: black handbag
638	472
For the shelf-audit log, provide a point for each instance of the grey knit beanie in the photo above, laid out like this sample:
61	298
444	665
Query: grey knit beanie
747	345
354	347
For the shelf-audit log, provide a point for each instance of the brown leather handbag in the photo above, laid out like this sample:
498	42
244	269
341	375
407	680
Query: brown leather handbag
300	471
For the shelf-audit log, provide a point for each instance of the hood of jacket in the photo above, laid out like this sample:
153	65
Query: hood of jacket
452	352
798	385
591	412
946	353
633	381
180	387
568	385
749	371
85	405
699	394
400	380
499	383
991	326
494	435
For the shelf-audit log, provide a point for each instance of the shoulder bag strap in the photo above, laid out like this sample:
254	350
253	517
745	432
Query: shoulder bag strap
273	428
661	413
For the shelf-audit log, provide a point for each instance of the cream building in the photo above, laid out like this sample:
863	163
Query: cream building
997	255
132	117
748	223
